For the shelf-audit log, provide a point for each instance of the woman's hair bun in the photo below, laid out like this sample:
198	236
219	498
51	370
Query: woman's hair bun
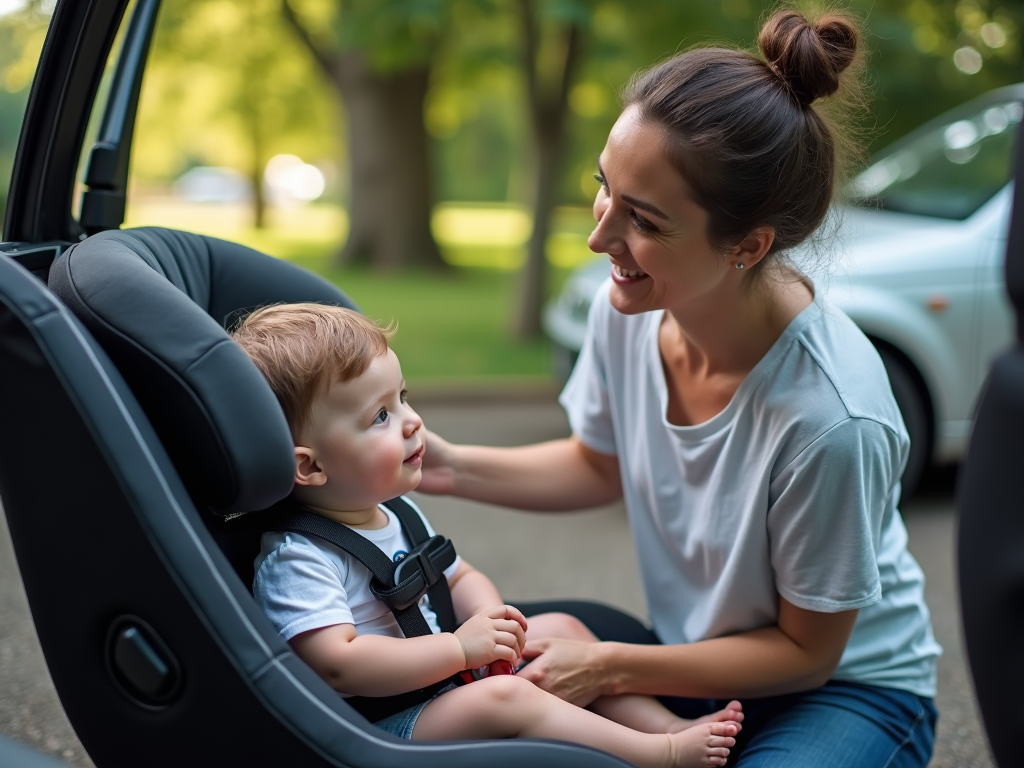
809	57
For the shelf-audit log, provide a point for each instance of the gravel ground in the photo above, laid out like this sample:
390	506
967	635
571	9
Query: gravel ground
599	564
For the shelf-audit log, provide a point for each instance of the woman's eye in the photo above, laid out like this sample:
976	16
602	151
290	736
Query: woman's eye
381	417
641	225
403	395
601	181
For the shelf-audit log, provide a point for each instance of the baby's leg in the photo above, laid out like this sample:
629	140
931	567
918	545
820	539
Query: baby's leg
641	713
505	706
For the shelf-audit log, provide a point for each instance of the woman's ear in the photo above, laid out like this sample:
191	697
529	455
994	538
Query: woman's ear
307	470
752	248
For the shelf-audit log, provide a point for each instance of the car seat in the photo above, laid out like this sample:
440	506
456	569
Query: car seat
133	425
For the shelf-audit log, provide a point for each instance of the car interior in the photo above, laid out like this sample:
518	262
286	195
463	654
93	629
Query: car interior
137	435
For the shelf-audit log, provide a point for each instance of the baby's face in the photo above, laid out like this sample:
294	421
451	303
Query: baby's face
366	438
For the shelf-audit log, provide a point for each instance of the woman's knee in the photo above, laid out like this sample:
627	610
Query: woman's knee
559	625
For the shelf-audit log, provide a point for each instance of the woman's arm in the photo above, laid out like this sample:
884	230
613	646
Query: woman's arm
554	476
800	652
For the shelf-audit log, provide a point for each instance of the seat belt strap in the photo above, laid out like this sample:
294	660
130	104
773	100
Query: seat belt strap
439	595
409	619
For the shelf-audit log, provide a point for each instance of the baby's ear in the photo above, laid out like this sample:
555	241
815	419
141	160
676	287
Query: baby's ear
307	470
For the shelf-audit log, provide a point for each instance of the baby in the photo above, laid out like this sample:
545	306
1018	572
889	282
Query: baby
359	443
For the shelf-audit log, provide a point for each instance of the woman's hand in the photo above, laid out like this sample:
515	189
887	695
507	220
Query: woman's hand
567	668
438	476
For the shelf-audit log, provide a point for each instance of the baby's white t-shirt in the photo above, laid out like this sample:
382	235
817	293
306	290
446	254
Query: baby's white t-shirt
305	583
791	490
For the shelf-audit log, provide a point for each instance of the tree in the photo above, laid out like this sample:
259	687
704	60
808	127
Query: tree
551	44
222	88
378	59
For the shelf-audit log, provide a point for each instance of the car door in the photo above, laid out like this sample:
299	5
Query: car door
43	218
991	523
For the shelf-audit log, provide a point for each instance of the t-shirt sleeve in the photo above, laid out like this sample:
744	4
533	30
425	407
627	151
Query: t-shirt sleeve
299	589
585	397
826	511
450	570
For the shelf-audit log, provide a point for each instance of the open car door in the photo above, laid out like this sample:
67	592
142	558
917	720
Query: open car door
155	646
991	523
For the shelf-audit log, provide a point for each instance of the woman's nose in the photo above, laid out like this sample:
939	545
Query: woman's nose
604	239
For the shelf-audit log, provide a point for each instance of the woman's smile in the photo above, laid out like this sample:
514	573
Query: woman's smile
623	276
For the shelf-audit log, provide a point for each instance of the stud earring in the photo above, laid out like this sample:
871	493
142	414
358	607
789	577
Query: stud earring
739	265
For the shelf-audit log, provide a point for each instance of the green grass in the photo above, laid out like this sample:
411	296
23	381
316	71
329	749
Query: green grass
450	326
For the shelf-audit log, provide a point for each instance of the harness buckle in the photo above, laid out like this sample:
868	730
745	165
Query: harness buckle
417	572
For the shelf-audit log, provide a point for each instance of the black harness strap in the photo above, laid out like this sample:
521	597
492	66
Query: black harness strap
439	595
429	556
380	565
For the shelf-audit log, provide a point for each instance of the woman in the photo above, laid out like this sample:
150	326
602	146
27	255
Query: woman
748	424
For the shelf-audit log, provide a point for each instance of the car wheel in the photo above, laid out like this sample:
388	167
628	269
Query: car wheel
915	416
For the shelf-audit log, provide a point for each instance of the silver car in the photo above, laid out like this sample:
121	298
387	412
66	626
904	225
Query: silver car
918	266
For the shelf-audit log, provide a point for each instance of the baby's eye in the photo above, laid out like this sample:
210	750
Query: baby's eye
381	417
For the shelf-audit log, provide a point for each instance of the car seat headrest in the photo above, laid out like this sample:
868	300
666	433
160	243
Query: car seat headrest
158	301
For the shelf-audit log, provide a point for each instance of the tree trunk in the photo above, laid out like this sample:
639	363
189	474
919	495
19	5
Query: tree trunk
390	182
548	113
390	195
259	202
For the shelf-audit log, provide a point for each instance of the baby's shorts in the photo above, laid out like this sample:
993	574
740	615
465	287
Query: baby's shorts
401	723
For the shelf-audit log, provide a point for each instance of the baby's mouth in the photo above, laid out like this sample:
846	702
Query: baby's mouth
416	457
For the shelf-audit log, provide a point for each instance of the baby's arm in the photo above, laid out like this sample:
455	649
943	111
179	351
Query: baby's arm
374	665
472	592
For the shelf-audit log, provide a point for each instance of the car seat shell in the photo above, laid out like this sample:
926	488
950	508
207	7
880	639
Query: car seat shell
104	530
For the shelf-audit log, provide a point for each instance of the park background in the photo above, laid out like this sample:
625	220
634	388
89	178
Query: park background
435	158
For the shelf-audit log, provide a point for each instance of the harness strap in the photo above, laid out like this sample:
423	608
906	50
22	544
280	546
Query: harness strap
410	619
291	517
439	595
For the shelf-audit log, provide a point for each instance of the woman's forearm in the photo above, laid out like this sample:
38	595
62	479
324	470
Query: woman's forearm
800	652
554	476
760	663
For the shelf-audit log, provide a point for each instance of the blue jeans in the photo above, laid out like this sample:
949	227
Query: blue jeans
839	725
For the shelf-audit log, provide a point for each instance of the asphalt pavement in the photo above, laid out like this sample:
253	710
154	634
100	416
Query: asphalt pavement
530	556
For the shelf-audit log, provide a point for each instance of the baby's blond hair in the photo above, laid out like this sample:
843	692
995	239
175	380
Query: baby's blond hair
301	349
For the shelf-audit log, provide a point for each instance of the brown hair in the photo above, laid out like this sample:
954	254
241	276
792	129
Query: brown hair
302	349
742	131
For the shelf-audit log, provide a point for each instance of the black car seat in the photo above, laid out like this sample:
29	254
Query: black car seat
115	459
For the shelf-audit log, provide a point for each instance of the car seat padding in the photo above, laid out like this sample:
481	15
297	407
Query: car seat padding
157	301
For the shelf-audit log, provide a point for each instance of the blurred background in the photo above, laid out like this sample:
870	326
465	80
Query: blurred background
435	158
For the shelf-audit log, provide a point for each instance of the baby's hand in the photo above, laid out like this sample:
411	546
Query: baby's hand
495	634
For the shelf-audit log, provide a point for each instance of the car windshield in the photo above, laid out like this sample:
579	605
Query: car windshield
948	172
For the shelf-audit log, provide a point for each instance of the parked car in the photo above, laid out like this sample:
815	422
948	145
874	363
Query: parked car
919	252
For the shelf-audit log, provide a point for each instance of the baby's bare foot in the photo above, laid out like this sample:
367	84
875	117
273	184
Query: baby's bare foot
733	711
702	745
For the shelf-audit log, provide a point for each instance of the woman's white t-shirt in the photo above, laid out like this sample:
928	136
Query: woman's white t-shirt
791	490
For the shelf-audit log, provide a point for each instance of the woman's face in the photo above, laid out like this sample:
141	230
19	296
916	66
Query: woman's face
650	227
